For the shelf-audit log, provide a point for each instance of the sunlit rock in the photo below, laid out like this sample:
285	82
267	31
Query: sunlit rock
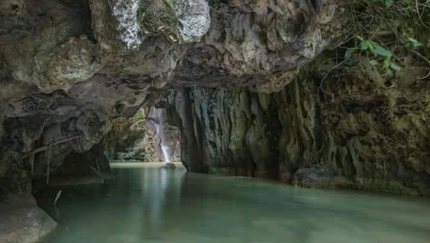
193	19
126	12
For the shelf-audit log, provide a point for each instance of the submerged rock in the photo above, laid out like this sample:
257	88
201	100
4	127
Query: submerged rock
313	178
168	166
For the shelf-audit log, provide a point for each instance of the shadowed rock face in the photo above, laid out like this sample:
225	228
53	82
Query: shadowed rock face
226	132
351	129
69	68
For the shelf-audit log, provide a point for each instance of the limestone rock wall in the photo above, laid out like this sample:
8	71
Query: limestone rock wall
135	139
226	132
68	69
350	129
125	140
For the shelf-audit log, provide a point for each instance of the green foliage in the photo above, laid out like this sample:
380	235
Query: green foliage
171	4
384	28
381	55
390	3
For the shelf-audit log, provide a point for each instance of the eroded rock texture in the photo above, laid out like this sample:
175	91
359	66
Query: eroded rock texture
225	131
69	68
349	129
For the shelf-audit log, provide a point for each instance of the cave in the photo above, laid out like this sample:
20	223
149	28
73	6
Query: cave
263	108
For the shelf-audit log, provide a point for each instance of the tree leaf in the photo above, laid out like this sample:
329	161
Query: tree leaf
372	44
395	67
415	42
389	72
349	52
388	3
374	62
387	62
396	23
364	45
381	51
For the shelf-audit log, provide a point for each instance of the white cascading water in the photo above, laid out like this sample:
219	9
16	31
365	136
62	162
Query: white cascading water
165	150
159	127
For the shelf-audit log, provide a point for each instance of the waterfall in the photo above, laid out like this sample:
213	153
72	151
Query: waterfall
166	155
159	128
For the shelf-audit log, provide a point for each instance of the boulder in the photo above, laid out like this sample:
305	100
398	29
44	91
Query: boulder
22	221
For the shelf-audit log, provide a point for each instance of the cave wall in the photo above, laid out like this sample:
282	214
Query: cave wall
125	139
71	69
135	139
226	132
352	129
68	69
91	162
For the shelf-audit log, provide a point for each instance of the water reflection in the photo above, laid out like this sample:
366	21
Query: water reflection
132	209
152	205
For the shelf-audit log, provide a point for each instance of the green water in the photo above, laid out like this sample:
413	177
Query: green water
152	205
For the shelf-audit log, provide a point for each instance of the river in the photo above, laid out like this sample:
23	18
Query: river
152	205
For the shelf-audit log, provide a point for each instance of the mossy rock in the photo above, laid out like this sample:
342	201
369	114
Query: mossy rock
158	17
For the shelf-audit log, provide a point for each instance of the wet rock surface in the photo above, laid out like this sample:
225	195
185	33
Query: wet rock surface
168	166
22	221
